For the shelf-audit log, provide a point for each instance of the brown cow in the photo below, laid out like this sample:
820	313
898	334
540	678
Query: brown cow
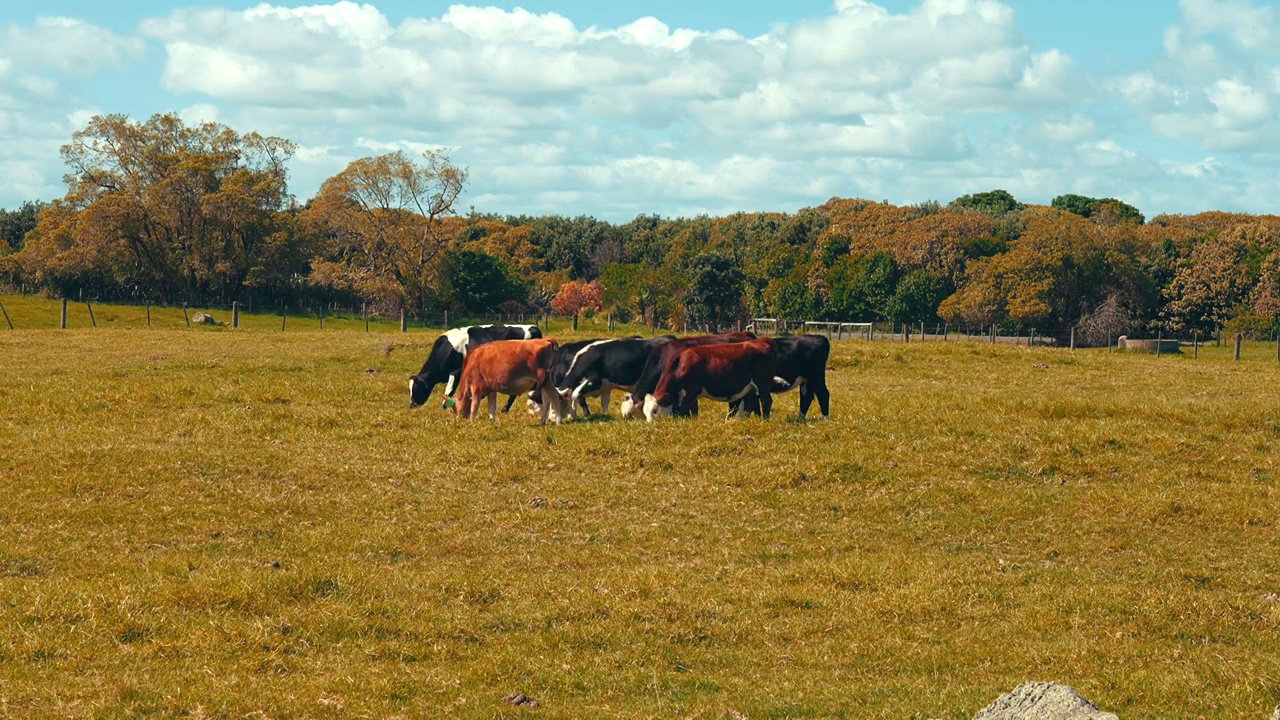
633	402
721	372
510	367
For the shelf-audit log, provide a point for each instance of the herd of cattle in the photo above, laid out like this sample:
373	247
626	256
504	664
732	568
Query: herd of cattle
661	376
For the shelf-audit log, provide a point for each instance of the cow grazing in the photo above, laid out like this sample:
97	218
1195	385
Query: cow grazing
802	363
727	373
603	366
565	355
651	373
444	363
510	367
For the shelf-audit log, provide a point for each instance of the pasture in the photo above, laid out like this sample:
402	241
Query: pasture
208	523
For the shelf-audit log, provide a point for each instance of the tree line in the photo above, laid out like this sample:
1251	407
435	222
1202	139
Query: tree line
202	214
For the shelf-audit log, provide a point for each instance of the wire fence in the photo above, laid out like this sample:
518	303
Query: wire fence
31	312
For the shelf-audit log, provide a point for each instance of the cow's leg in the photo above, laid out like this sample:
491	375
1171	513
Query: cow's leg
474	411
493	405
824	400
766	401
604	402
511	399
806	397
689	400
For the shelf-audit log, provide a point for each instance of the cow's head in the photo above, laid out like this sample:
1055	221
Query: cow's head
631	410
654	410
419	390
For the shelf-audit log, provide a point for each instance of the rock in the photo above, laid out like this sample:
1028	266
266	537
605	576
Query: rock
1042	701
203	319
522	700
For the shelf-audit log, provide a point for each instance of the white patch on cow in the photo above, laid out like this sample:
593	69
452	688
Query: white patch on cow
528	330
449	386
458	339
411	382
631	409
751	387
577	392
653	411
578	354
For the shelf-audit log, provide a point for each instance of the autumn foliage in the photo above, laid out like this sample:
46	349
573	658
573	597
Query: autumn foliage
575	298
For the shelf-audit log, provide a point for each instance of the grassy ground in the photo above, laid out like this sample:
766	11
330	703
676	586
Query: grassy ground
252	524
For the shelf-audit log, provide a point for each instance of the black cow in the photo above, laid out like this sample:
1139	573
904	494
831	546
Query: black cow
444	364
802	363
633	402
602	366
560	366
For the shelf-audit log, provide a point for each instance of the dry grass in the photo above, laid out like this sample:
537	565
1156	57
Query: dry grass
251	524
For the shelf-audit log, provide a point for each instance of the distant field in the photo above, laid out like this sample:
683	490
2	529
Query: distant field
252	524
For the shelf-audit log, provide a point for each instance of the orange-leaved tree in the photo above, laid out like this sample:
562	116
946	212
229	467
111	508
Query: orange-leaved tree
382	218
576	298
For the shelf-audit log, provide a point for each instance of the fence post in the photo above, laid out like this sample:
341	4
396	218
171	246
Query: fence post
404	326
320	313
1195	344
1277	339
922	333
1073	339
6	315
64	313
92	319
1239	341
1108	342
906	333
446	319
1159	337
944	332
993	334
364	310
235	314
148	313
1031	338
185	316
284	316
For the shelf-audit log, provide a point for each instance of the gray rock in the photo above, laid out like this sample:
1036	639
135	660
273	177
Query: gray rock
203	319
1042	701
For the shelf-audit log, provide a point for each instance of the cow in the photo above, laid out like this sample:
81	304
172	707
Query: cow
444	363
726	372
802	363
633	402
565	355
602	366
510	367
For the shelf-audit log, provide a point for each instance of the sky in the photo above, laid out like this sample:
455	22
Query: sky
615	109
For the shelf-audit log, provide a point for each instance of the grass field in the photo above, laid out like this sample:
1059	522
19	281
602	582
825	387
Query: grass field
252	524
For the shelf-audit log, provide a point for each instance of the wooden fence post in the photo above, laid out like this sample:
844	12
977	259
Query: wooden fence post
1073	339
6	315
284	316
64	313
1159	337
148	314
993	334
404	323
235	314
320	314
92	319
185	316
1195	344
922	333
906	333
446	319
1031	338
364	310
1108	342
575	322
1239	342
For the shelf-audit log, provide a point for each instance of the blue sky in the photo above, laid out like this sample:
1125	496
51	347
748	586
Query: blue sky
614	109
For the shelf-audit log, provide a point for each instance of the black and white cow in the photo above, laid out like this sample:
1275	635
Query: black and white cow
801	363
560	366
444	363
603	366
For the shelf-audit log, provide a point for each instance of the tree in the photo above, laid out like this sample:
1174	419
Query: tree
475	282
185	212
860	287
15	224
1107	211
916	298
576	298
715	289
382	217
994	203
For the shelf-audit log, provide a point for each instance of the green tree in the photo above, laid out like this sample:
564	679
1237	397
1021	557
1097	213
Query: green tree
994	203
916	298
15	224
1108	211
476	282
715	290
860	287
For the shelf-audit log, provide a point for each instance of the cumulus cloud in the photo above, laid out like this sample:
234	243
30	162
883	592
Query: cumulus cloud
536	103
42	65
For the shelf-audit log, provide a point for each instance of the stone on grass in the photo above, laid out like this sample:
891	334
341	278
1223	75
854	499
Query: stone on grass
203	319
1042	701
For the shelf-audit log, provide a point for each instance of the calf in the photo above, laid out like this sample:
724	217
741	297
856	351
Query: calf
651	373
602	366
721	372
511	367
444	363
802	363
